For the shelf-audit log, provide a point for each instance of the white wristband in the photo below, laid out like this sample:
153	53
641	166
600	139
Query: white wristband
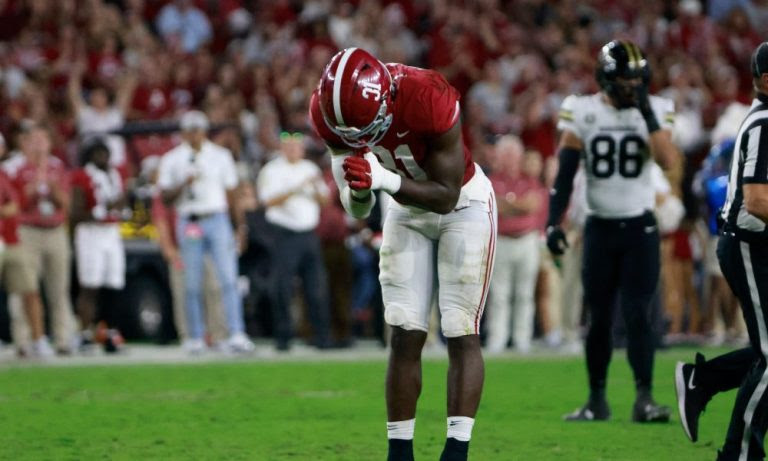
390	182
381	178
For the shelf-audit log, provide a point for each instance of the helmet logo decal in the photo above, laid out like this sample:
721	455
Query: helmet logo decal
374	88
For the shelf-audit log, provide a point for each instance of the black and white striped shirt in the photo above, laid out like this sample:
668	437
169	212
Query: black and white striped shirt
749	166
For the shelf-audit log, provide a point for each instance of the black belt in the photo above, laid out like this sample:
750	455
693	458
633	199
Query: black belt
194	217
758	238
645	219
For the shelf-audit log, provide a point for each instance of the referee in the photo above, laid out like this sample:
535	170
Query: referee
743	255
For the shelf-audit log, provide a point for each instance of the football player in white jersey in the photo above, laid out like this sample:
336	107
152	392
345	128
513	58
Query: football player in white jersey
618	132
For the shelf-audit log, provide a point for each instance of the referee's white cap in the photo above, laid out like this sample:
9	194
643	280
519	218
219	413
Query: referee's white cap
193	120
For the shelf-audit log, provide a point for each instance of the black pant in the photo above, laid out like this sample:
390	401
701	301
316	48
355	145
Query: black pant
299	253
745	267
621	257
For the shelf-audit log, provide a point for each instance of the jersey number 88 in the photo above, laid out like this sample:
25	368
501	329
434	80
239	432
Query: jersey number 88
631	156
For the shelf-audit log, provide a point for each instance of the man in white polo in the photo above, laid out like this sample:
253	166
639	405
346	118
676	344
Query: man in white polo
292	190
199	179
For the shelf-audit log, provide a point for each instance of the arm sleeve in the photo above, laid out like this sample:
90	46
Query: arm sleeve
755	169
561	192
353	207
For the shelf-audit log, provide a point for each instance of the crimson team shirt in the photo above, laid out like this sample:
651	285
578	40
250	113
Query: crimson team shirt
9	227
425	106
517	226
99	187
36	205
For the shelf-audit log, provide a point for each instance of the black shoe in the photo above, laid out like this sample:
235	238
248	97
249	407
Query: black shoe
282	345
648	411
592	411
455	450
400	450
114	341
691	397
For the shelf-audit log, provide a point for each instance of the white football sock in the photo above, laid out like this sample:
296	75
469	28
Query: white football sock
401	429
460	428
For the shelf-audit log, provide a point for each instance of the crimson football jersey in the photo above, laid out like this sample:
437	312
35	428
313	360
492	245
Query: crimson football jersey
99	187
425	105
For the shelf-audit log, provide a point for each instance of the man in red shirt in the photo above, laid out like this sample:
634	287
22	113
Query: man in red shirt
42	182
521	199
396	129
18	279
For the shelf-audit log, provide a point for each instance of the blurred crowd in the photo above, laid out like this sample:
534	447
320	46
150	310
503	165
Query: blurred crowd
114	71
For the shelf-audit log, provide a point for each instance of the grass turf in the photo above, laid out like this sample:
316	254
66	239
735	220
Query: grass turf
329	411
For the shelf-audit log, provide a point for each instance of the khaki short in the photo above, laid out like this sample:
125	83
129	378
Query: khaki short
16	272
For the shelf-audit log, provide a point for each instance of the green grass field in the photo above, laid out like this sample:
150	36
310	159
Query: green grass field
328	411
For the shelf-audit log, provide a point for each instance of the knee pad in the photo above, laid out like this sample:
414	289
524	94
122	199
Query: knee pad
396	316
456	323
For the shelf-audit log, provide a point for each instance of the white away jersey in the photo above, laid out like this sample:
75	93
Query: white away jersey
616	152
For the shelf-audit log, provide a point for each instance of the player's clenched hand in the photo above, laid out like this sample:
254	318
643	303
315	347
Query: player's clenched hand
556	241
357	173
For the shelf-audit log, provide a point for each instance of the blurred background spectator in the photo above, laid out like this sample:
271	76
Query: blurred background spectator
521	197
127	69
199	178
293	190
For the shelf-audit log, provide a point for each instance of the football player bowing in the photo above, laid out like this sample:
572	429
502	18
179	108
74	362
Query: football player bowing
618	132
396	128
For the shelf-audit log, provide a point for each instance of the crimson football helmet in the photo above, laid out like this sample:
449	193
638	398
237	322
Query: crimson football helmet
355	95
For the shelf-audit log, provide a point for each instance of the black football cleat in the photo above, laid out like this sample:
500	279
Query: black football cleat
648	411
691	397
592	411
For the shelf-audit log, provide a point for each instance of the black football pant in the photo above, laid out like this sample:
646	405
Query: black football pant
621	257
745	267
299	254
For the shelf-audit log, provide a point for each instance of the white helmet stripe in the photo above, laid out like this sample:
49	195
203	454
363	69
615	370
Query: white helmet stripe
337	85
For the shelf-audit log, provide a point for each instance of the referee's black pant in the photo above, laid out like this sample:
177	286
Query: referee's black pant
745	267
621	257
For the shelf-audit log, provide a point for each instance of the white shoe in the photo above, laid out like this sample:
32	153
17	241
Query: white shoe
572	348
193	346
495	348
554	339
240	344
42	348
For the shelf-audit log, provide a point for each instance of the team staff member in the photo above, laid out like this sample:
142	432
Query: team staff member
164	219
617	131
743	255
18	279
199	179
42	182
520	199
292	190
